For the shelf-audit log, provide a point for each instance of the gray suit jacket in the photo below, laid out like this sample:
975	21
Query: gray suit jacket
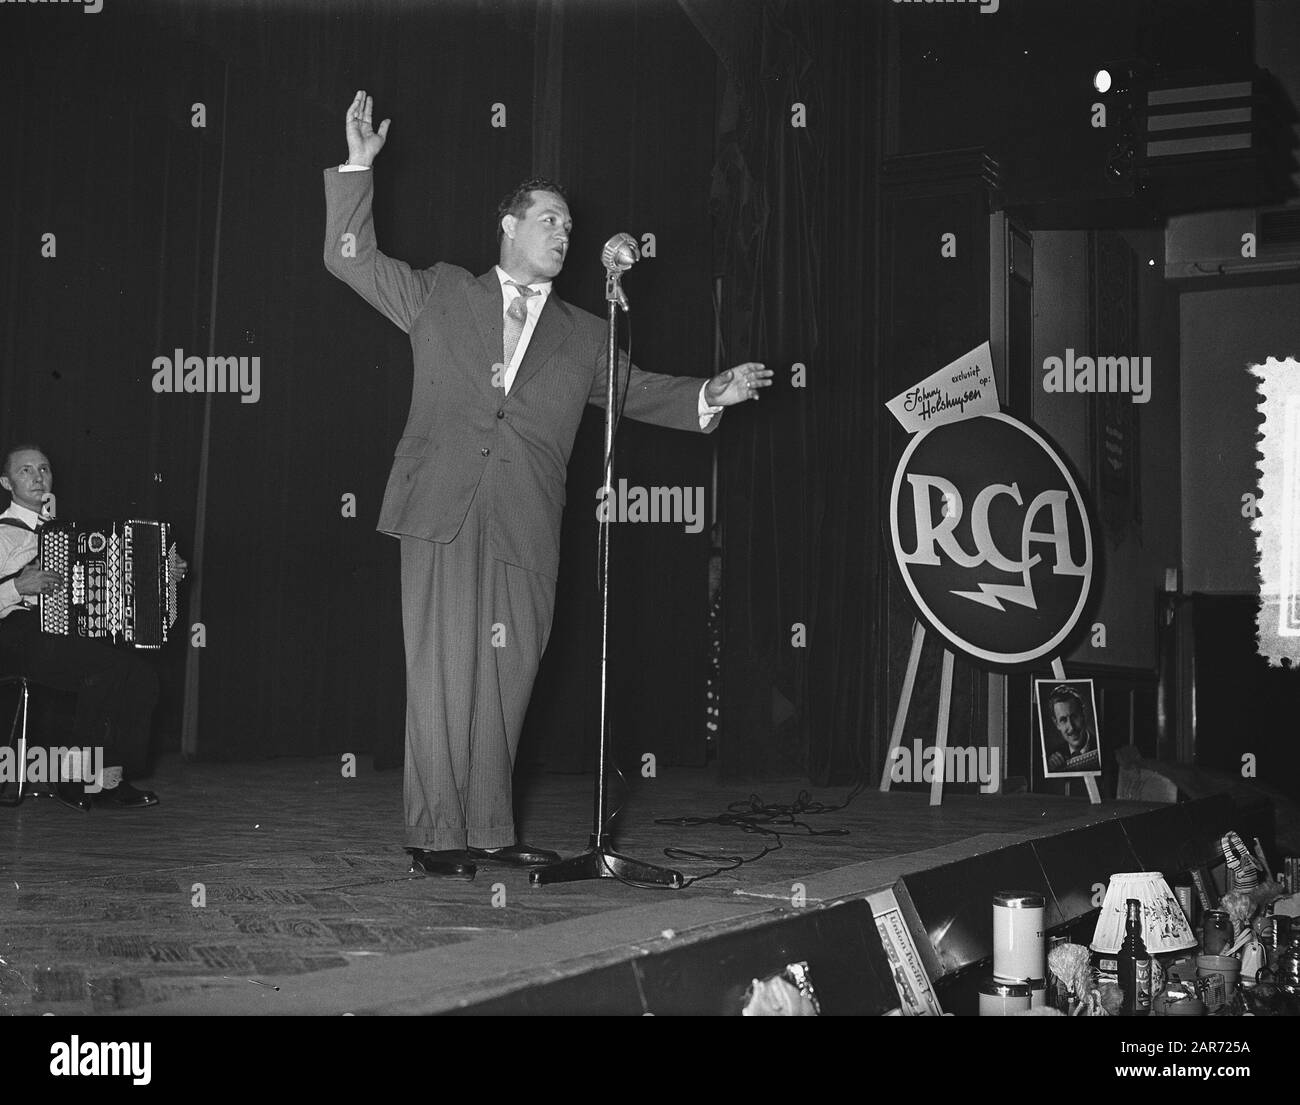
462	432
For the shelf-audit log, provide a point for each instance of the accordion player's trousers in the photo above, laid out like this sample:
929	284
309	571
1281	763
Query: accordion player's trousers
116	690
475	629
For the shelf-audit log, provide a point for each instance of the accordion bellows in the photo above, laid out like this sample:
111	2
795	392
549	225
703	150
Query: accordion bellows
118	581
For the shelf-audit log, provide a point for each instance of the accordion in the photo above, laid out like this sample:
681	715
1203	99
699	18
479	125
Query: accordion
119	581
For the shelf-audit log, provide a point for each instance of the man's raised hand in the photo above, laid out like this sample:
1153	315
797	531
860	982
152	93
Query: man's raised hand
364	142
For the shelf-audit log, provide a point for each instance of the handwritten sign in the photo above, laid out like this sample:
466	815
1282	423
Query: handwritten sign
959	390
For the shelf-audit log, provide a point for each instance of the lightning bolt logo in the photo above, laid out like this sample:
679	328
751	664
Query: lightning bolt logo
992	594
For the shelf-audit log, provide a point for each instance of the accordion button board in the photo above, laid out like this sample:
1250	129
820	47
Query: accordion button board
119	581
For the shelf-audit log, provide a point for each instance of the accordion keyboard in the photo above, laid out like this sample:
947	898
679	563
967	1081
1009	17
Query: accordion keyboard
55	607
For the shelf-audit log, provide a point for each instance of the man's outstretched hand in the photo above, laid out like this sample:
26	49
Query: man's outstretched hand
737	384
364	142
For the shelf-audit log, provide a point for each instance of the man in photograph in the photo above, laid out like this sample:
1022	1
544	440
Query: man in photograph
1075	746
503	371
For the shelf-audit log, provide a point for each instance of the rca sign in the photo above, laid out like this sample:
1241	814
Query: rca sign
992	539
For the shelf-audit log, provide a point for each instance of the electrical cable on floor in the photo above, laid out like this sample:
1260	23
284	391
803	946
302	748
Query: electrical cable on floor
753	816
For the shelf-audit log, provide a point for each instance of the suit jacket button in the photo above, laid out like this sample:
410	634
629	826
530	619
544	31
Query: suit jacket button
485	451
501	414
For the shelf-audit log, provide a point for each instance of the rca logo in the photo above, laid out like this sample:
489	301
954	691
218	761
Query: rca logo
932	538
1005	579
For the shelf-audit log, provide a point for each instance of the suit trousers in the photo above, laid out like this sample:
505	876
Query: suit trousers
475	629
116	690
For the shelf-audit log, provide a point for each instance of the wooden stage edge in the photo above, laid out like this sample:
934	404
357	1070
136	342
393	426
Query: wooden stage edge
280	888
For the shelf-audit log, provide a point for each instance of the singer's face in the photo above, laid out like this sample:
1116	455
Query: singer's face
534	246
28	477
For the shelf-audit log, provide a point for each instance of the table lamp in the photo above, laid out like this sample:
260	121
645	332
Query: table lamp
1164	927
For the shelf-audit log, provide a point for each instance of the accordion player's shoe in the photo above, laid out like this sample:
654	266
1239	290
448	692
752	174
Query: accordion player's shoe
125	797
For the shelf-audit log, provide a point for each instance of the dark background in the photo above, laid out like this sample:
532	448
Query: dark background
671	117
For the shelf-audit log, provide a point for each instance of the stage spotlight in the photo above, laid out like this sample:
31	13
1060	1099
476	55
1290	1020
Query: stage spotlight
1116	76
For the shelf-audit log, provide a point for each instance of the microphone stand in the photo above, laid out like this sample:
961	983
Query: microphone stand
600	861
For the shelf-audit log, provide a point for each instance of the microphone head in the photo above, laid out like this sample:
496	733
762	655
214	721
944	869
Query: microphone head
620	253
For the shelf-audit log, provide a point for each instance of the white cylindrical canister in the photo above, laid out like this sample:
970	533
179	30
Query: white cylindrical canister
1018	951
1001	999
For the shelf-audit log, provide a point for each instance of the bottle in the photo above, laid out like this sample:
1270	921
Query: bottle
1216	932
1134	963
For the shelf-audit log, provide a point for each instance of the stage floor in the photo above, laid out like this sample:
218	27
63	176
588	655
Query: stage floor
281	887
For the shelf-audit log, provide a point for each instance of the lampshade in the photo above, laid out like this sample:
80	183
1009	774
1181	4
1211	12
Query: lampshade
1164	927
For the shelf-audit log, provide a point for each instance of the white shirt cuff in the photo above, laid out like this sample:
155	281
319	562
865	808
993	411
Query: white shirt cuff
706	411
354	168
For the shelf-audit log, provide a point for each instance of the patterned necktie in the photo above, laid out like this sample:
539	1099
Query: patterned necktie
516	316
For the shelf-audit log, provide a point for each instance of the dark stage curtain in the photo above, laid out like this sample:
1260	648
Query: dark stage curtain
299	599
795	210
634	140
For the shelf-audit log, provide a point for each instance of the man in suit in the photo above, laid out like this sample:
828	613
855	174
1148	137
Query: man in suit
503	370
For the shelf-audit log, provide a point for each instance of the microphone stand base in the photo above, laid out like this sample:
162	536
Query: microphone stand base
605	863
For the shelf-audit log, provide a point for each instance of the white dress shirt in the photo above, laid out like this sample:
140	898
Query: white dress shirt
534	303
17	550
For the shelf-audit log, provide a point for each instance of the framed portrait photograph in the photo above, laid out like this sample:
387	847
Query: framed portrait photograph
1067	727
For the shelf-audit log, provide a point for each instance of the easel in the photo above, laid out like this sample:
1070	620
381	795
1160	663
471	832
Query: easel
941	726
904	704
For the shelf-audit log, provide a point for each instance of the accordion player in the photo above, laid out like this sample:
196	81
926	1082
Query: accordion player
119	581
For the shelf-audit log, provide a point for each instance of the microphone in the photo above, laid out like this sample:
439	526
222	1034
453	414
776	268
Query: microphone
620	253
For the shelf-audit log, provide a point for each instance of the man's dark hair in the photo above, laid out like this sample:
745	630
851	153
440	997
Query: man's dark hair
19	447
520	200
1064	693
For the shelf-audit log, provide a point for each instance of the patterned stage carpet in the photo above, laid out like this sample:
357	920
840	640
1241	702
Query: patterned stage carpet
267	871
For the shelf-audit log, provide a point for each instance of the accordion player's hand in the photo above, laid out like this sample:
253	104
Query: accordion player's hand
35	580
180	569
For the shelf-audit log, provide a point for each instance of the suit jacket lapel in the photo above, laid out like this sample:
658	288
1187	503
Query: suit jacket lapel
485	308
552	328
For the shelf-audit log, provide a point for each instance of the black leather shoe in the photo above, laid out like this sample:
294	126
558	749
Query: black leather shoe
124	797
446	864
72	795
517	855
